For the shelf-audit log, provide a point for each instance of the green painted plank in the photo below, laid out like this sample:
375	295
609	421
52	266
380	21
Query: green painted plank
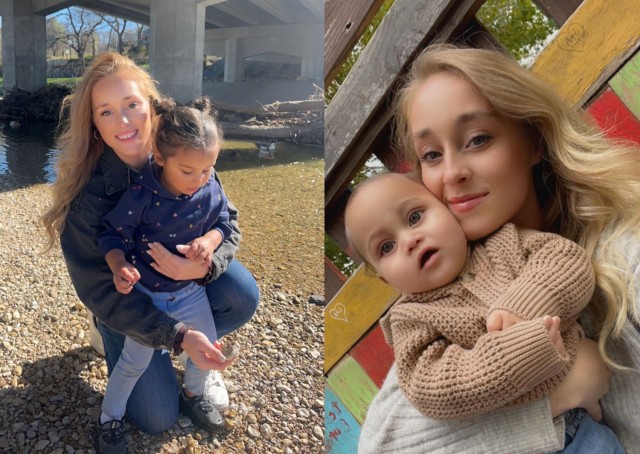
353	387
626	84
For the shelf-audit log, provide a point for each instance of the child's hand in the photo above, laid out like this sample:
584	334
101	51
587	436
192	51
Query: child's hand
500	319
199	250
553	328
125	277
230	351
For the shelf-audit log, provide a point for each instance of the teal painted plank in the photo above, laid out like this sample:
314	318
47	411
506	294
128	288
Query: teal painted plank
341	430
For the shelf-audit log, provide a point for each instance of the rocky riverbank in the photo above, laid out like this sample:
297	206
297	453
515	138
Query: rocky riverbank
52	381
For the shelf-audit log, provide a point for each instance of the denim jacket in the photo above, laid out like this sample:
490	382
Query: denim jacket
132	314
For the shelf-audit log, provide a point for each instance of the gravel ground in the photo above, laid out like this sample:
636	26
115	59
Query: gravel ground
52	381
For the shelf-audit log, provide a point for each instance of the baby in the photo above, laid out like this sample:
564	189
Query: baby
481	325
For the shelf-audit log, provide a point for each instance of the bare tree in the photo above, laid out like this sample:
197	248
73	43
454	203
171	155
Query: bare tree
119	26
81	26
56	36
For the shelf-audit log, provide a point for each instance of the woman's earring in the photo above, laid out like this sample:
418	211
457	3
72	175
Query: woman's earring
96	134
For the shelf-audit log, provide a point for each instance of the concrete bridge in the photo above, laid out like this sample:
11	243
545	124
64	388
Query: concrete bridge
181	33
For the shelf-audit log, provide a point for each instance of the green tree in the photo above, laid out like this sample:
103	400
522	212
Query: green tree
519	25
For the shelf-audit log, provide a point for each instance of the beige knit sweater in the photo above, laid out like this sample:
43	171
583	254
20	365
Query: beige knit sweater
449	367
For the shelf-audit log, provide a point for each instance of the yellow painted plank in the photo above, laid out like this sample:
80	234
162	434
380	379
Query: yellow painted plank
597	33
357	306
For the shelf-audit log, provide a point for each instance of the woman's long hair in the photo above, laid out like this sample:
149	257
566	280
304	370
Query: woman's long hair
79	148
588	186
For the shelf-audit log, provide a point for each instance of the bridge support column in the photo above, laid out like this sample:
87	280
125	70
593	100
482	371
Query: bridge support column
177	47
24	51
233	61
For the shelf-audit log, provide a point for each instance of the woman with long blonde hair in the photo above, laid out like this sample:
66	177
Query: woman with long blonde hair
451	116
106	138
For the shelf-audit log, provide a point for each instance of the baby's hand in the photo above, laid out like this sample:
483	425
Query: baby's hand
553	328
500	319
125	278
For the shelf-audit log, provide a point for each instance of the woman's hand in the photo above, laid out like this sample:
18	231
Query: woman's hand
174	266
586	382
203	353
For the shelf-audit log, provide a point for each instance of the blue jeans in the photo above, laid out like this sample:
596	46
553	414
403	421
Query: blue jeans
189	305
153	404
583	434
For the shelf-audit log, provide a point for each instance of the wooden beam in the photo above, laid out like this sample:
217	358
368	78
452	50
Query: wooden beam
344	23
558	10
358	305
374	355
353	387
341	430
359	111
626	84
615	118
588	49
333	279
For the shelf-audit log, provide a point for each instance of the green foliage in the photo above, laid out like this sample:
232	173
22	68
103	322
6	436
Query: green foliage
338	256
518	24
357	50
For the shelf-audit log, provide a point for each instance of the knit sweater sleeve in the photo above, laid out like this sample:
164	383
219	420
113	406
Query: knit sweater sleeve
557	277
444	380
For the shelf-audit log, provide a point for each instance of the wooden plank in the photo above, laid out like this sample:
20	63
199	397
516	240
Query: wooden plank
615	119
626	84
344	23
341	430
374	355
358	305
588	49
334	220
333	279
558	10
359	110
353	387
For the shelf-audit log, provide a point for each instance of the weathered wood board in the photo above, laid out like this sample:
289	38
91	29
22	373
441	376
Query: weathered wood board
599	33
360	303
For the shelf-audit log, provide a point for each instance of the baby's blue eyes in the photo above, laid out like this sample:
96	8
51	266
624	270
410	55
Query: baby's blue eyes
415	217
386	247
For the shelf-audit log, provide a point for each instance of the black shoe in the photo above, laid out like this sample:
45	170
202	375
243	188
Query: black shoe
202	412
110	438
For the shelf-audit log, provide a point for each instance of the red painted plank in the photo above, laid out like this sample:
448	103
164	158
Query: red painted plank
374	355
614	117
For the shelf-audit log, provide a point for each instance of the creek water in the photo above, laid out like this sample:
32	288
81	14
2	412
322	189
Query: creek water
28	156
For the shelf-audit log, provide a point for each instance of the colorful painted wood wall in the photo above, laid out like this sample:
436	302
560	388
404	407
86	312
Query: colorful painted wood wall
593	65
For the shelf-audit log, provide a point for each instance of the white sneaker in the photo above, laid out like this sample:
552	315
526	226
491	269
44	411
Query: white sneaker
95	339
215	391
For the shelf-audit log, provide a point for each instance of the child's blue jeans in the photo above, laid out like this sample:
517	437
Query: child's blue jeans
583	434
189	305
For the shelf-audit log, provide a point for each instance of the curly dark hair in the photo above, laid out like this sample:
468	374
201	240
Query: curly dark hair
193	125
